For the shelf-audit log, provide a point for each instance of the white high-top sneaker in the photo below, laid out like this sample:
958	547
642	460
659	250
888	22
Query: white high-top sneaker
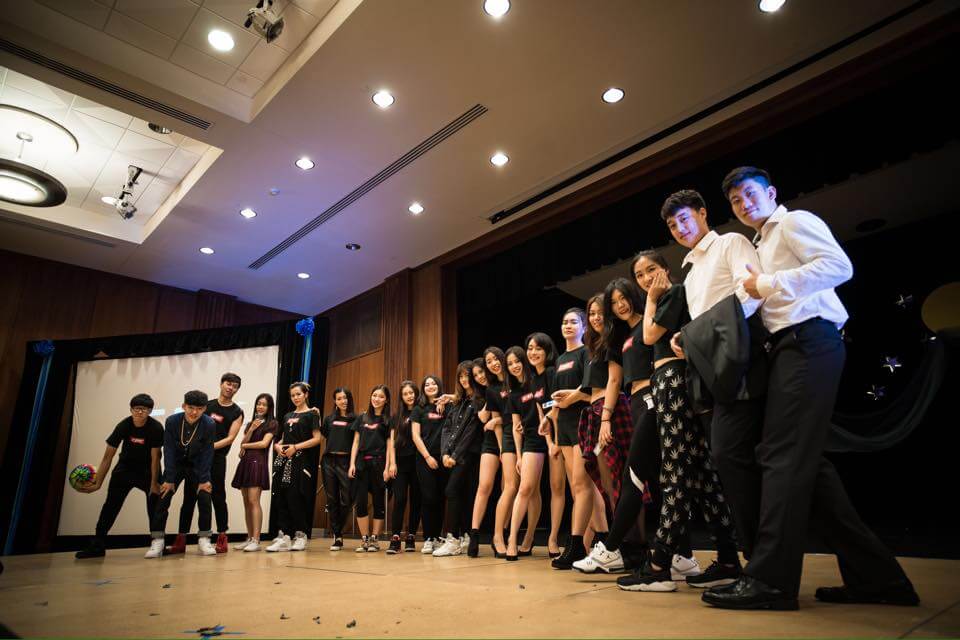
363	545
450	547
681	567
464	542
428	546
280	543
156	549
242	545
600	560
253	545
204	547
299	542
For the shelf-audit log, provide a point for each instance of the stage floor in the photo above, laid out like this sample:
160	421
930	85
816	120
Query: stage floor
319	593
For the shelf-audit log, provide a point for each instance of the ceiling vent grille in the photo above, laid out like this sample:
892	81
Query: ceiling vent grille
103	85
393	168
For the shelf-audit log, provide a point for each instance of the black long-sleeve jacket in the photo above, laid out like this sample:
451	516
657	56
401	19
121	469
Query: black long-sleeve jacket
460	426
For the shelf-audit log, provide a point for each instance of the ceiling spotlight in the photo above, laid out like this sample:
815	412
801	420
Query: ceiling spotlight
416	208
383	99
264	21
496	8
159	128
248	213
121	203
499	159
303	276
613	94
769	6
305	163
353	246
207	251
220	40
274	191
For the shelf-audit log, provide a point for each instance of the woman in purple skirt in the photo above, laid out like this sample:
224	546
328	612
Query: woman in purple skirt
253	472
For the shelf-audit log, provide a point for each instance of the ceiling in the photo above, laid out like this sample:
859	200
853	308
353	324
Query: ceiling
539	71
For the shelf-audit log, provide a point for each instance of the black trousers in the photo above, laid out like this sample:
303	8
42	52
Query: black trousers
203	499
293	510
433	483
369	480
218	478
793	485
121	482
460	491
406	483
337	486
643	465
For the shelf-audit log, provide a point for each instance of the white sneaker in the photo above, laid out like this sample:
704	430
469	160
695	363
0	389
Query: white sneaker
253	545
372	545
682	567
600	559
428	546
280	543
156	549
242	545
450	547
337	544
464	542
299	542
204	547
363	545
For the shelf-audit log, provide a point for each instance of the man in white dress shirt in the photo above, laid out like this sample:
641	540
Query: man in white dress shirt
800	263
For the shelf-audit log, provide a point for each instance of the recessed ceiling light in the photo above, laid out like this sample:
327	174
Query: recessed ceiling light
613	94
274	191
416	208
353	246
769	6
24	185
383	99
305	163
220	40
159	128
248	213
496	8
110	200
499	159
303	276
18	189
206	251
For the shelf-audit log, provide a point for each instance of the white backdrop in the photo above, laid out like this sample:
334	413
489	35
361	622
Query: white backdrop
102	398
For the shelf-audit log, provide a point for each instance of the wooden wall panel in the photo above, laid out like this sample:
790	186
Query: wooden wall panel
247	313
124	306
426	299
397	320
214	310
175	310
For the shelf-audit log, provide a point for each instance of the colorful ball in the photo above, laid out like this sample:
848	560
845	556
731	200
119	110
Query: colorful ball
82	474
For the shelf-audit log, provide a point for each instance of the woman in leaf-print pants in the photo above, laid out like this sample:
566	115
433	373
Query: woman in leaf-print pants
687	478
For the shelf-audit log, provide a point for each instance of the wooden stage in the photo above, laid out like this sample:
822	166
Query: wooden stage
319	593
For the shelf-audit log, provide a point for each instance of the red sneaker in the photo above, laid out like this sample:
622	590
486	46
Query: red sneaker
222	543
179	546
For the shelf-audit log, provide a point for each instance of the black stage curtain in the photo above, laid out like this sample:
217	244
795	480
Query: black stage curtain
41	505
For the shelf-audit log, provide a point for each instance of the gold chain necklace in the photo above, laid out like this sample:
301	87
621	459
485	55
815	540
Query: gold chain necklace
183	423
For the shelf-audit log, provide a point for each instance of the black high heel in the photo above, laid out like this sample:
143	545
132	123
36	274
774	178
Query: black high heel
510	558
553	554
497	554
525	554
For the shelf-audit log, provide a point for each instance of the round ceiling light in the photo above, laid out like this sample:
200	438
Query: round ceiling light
159	128
499	159
220	40
416	208
353	246
207	251
612	95
496	8
305	163
769	6
303	275
38	137
383	99
24	185
248	213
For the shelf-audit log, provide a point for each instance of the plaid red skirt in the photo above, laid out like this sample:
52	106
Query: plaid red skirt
616	452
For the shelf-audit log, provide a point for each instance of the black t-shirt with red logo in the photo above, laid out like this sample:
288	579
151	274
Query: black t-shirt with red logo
299	427
524	403
570	366
596	373
137	443
671	314
637	356
374	433
431	423
336	429
223	417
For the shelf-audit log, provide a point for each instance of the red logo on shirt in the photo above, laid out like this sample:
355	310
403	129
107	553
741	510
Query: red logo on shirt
538	394
292	421
216	416
503	394
434	416
627	343
339	423
527	397
371	425
137	440
566	366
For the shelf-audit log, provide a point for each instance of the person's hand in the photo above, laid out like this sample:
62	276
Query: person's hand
675	345
241	452
155	488
278	449
386	475
166	488
519	461
750	284
563	397
518	428
660	285
352	472
489	425
289	450
544	428
393	471
606	434
432	462
256	424
205	486
449	462
554	450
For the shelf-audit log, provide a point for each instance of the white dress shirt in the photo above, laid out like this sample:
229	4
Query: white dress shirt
801	263
719	269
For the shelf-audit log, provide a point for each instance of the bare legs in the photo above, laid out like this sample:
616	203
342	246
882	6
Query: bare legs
252	511
531	467
558	484
511	481
489	463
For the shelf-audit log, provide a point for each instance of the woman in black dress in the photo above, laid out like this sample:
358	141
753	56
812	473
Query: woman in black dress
253	473
368	459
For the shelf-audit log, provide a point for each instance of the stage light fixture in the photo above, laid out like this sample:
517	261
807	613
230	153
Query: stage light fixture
612	95
416	208
305	163
264	21
248	213
220	40
770	6
496	8
207	251
499	159
383	99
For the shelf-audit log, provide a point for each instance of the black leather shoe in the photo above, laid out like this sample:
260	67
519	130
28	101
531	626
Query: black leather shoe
750	593
524	554
897	593
510	558
473	549
497	554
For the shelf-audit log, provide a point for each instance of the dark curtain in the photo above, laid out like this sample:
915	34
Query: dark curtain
41	487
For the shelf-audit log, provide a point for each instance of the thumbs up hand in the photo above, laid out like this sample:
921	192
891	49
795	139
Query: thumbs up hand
750	284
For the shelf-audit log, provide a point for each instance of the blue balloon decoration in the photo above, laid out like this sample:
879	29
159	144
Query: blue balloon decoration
43	347
305	327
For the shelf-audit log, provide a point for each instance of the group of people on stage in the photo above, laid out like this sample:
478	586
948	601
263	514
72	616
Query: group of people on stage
708	397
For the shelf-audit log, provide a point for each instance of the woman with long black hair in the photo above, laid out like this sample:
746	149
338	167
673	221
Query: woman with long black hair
402	465
461	428
253	473
497	441
335	464
427	423
293	482
371	430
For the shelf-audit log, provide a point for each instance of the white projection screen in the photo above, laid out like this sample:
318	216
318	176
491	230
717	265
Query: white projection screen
102	398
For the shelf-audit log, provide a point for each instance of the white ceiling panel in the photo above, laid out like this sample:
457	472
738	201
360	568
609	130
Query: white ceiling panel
201	64
242	83
88	12
263	62
171	17
143	148
140	35
142	127
90	131
91	108
297	25
318	8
